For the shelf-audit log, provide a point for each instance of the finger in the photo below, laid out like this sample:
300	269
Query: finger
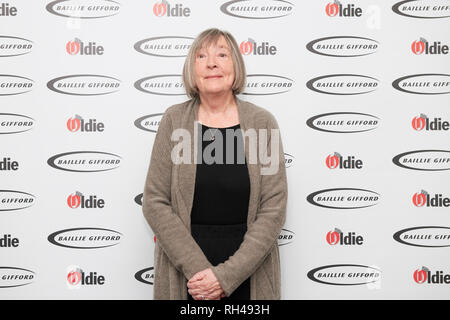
197	276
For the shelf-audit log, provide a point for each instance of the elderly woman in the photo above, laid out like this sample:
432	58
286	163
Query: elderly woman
216	221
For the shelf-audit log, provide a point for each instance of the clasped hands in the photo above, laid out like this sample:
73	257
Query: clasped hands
204	283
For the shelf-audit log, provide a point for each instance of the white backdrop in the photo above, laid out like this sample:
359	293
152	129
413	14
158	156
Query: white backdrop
318	70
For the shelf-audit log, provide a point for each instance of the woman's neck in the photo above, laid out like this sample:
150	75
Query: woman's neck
217	103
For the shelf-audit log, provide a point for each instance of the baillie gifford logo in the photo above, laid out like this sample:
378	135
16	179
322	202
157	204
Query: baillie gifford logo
424	199
422	46
336	9
164	9
336	161
78	200
251	47
146	275
426	276
337	237
422	122
82	9
78	47
422	9
76	277
78	124
257	9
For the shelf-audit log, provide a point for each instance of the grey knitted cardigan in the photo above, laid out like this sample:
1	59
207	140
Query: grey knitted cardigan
167	203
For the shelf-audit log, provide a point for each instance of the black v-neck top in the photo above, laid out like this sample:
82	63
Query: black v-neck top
221	199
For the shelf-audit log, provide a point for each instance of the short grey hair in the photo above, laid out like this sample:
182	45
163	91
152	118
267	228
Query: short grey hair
206	38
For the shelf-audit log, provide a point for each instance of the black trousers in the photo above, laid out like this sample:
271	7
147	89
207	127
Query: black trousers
218	243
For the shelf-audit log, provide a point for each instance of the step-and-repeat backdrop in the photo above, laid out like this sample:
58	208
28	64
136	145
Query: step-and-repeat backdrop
359	89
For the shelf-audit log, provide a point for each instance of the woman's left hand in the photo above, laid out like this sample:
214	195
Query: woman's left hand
205	283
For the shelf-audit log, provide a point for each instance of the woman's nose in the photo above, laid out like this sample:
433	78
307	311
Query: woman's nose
211	61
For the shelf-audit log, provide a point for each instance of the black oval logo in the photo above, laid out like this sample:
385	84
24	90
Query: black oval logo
85	238
344	198
11	277
426	237
345	274
343	46
138	199
425	83
149	123
82	10
11	200
409	7
12	123
145	274
343	84
343	122
84	85
85	161
425	160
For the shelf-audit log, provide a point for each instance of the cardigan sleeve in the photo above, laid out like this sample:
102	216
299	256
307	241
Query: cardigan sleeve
262	234
171	233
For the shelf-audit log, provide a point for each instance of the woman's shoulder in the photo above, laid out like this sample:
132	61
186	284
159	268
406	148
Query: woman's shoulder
259	114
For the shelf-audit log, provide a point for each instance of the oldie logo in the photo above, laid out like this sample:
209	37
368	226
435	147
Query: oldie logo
267	84
85	161
337	237
8	241
344	198
14	46
78	47
285	237
257	9
79	200
424	9
85	238
424	199
168	46
427	236
343	46
15	123
84	9
76	277
7	10
422	46
11	200
146	275
422	122
343	84
6	164
78	124
426	160
84	85
343	122
426	276
165	9
15	277
251	47
11	85
345	274
149	123
165	85
337	161
337	9
425	83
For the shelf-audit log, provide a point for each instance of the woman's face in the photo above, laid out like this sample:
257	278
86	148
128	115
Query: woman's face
214	71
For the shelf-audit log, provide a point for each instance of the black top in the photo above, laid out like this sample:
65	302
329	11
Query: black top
221	198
